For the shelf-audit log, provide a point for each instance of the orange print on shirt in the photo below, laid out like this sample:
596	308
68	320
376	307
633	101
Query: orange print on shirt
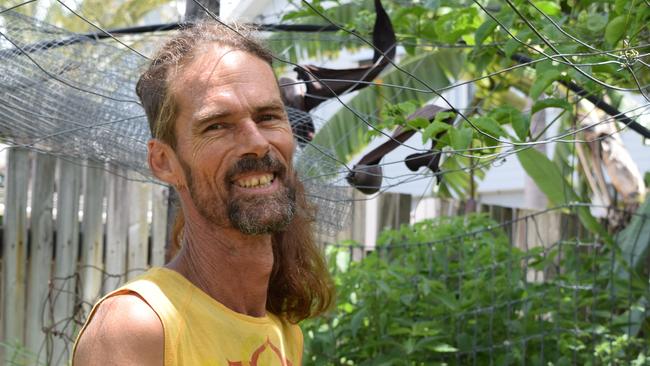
258	352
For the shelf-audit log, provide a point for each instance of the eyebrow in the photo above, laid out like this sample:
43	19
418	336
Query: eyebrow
275	105
217	114
211	116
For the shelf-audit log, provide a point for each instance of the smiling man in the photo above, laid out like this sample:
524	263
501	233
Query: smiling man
248	269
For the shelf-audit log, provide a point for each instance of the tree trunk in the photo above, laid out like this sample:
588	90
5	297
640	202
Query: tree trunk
194	12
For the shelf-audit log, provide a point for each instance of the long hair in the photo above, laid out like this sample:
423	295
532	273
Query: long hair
300	285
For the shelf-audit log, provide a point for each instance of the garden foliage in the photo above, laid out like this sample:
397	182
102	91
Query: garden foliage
455	291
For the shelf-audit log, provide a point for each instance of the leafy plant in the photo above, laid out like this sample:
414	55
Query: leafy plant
455	291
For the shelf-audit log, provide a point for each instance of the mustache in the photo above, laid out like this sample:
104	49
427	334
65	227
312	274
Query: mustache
251	164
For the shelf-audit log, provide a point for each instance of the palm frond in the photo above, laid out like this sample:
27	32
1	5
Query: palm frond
346	134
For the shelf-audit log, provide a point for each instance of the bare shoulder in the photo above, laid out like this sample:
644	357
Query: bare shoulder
123	331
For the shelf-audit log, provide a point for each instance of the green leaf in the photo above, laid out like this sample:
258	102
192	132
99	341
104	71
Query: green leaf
483	57
615	29
446	300
548	7
543	66
407	107
549	179
542	81
511	47
444	348
489	126
418	123
621	6
460	138
484	31
634	241
521	127
547	176
551	103
610	69
428	31
443	116
433	129
506	115
452	26
635	317
409	346
596	22
383	287
357	320
407	299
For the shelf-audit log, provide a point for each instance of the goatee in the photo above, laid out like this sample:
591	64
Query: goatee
262	214
251	214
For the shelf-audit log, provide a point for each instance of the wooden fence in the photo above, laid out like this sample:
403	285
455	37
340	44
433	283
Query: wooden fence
72	231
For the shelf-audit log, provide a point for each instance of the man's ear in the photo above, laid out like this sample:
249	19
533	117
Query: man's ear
163	162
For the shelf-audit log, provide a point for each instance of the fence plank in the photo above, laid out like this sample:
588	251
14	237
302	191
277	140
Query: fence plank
92	247
116	229
159	199
41	250
15	248
65	266
138	237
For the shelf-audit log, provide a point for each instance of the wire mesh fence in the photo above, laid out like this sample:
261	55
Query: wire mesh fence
534	290
70	96
73	96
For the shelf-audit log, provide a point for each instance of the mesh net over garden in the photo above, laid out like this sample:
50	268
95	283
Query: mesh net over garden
498	288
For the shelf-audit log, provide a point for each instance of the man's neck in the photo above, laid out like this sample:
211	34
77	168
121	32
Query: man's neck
229	266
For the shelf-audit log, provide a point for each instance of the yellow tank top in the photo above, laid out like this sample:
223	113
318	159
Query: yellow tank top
199	330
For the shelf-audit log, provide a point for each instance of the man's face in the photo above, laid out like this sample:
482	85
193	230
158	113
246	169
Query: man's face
234	141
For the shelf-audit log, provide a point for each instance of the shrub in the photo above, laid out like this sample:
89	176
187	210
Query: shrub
455	291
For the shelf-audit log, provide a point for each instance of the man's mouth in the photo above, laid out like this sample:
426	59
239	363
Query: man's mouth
255	180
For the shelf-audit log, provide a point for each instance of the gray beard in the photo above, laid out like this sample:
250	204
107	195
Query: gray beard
251	215
254	215
263	215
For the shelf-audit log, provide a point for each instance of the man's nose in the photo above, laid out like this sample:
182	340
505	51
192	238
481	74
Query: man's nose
252	139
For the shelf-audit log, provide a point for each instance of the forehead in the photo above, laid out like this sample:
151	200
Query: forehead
215	69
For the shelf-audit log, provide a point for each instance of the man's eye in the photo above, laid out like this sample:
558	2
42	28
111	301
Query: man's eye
268	117
214	126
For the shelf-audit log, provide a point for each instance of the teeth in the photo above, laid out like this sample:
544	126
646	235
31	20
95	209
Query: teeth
255	182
